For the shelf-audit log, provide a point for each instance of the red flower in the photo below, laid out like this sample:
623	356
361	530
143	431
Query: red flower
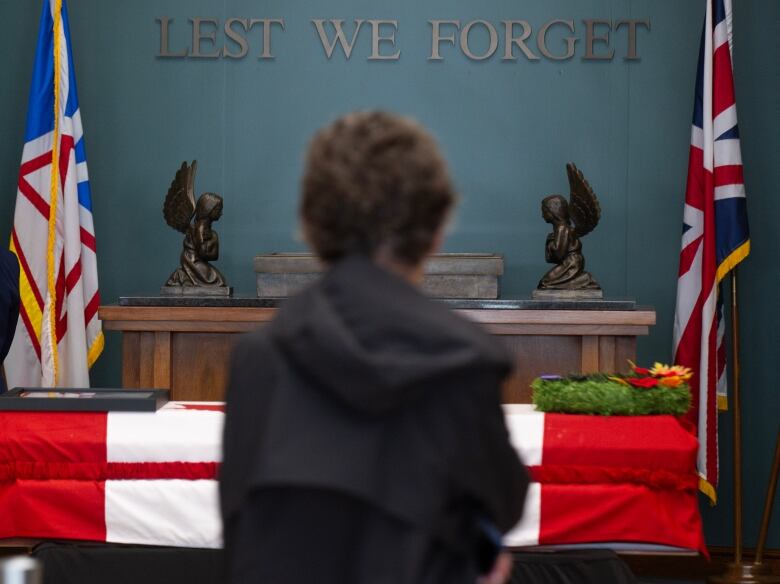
646	382
638	370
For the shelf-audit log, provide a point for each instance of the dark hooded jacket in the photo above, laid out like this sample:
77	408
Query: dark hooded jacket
375	410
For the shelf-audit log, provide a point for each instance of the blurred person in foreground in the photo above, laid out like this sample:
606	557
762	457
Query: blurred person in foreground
364	439
9	307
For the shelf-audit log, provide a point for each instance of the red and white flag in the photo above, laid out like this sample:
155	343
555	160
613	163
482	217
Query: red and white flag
715	235
589	486
140	478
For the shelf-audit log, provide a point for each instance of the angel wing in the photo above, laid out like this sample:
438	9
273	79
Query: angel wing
584	208
179	206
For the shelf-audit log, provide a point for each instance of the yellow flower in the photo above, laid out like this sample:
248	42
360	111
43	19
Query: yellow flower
661	370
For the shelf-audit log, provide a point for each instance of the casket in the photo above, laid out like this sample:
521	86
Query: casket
150	478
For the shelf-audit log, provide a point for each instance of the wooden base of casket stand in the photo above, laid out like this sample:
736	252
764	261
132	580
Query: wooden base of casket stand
186	349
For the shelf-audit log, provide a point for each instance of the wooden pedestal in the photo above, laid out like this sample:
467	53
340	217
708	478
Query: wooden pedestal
187	350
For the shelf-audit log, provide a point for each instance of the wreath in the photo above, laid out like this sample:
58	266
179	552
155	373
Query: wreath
662	389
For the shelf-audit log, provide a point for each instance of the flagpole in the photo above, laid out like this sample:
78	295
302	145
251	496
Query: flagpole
737	433
768	503
738	572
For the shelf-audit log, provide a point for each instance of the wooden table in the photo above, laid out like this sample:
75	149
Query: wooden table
186	349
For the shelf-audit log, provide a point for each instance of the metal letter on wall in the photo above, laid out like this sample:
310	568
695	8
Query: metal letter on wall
436	37
510	40
464	40
541	40
237	38
591	38
198	35
164	46
376	38
267	23
632	24
340	36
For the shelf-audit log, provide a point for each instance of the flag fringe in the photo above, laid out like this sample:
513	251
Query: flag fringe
732	260
28	300
53	198
708	490
724	268
96	349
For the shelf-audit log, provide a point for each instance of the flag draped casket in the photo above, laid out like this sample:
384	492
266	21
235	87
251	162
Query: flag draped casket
606	479
150	478
118	477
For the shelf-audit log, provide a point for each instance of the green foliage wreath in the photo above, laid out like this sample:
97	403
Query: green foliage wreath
604	396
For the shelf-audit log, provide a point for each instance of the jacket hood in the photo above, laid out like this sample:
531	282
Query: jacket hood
374	342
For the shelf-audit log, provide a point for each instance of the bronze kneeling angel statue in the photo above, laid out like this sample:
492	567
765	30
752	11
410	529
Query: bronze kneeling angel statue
201	243
570	221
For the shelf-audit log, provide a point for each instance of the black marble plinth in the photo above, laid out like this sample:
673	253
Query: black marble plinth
197	291
545	304
468	304
236	301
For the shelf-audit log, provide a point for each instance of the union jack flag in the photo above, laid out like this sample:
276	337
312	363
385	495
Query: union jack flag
715	234
58	335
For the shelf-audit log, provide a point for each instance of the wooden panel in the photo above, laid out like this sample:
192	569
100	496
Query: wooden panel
166	313
131	359
625	349
146	360
566	329
589	354
607	354
184	326
112	314
601	317
200	365
535	356
162	360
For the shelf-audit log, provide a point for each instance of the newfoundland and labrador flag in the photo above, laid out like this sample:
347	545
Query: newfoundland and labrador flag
715	234
58	335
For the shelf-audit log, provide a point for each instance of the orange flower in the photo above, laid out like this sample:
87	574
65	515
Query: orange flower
671	381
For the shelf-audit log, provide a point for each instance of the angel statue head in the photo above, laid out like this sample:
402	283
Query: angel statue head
209	206
555	208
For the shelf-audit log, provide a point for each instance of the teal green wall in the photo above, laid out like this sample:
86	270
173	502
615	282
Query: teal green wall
507	129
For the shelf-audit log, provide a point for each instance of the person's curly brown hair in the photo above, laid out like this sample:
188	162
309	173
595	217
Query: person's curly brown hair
374	180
